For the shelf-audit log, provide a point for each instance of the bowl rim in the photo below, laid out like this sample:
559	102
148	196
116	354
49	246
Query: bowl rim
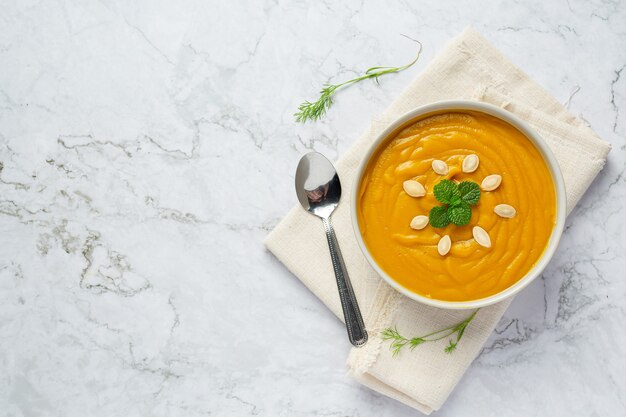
506	116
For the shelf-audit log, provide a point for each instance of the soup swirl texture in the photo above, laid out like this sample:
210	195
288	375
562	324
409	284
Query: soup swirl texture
469	271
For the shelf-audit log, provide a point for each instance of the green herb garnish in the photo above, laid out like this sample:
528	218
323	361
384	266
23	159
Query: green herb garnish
308	111
399	341
458	200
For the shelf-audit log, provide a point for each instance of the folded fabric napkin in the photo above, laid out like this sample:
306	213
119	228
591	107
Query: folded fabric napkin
468	68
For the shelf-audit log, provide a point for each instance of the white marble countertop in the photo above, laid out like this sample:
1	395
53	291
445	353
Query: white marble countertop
148	148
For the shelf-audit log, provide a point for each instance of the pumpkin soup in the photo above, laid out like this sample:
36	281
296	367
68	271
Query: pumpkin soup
511	213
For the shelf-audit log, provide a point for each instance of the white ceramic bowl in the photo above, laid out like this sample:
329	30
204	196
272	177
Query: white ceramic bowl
454	106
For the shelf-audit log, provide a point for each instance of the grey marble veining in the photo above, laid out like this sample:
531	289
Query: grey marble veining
146	150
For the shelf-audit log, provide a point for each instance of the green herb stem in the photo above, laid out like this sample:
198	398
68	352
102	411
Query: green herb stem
398	341
313	111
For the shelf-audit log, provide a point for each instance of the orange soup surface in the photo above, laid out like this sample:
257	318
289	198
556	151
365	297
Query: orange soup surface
468	271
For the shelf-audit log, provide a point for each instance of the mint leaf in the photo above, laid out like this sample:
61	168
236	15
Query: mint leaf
455	201
458	198
446	191
470	192
438	216
461	214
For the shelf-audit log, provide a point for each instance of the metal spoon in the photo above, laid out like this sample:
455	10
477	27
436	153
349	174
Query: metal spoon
319	190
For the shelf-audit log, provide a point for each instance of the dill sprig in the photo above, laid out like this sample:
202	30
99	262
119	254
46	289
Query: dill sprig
312	111
398	341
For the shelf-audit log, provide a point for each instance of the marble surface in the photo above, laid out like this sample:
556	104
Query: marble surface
147	148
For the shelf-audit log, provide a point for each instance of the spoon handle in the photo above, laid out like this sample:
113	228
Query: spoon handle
351	313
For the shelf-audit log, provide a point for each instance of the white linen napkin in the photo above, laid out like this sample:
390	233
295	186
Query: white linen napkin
468	68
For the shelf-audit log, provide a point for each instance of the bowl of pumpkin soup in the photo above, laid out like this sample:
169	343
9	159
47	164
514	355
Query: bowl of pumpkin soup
458	204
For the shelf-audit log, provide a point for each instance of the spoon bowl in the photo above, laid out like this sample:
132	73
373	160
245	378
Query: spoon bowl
317	185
